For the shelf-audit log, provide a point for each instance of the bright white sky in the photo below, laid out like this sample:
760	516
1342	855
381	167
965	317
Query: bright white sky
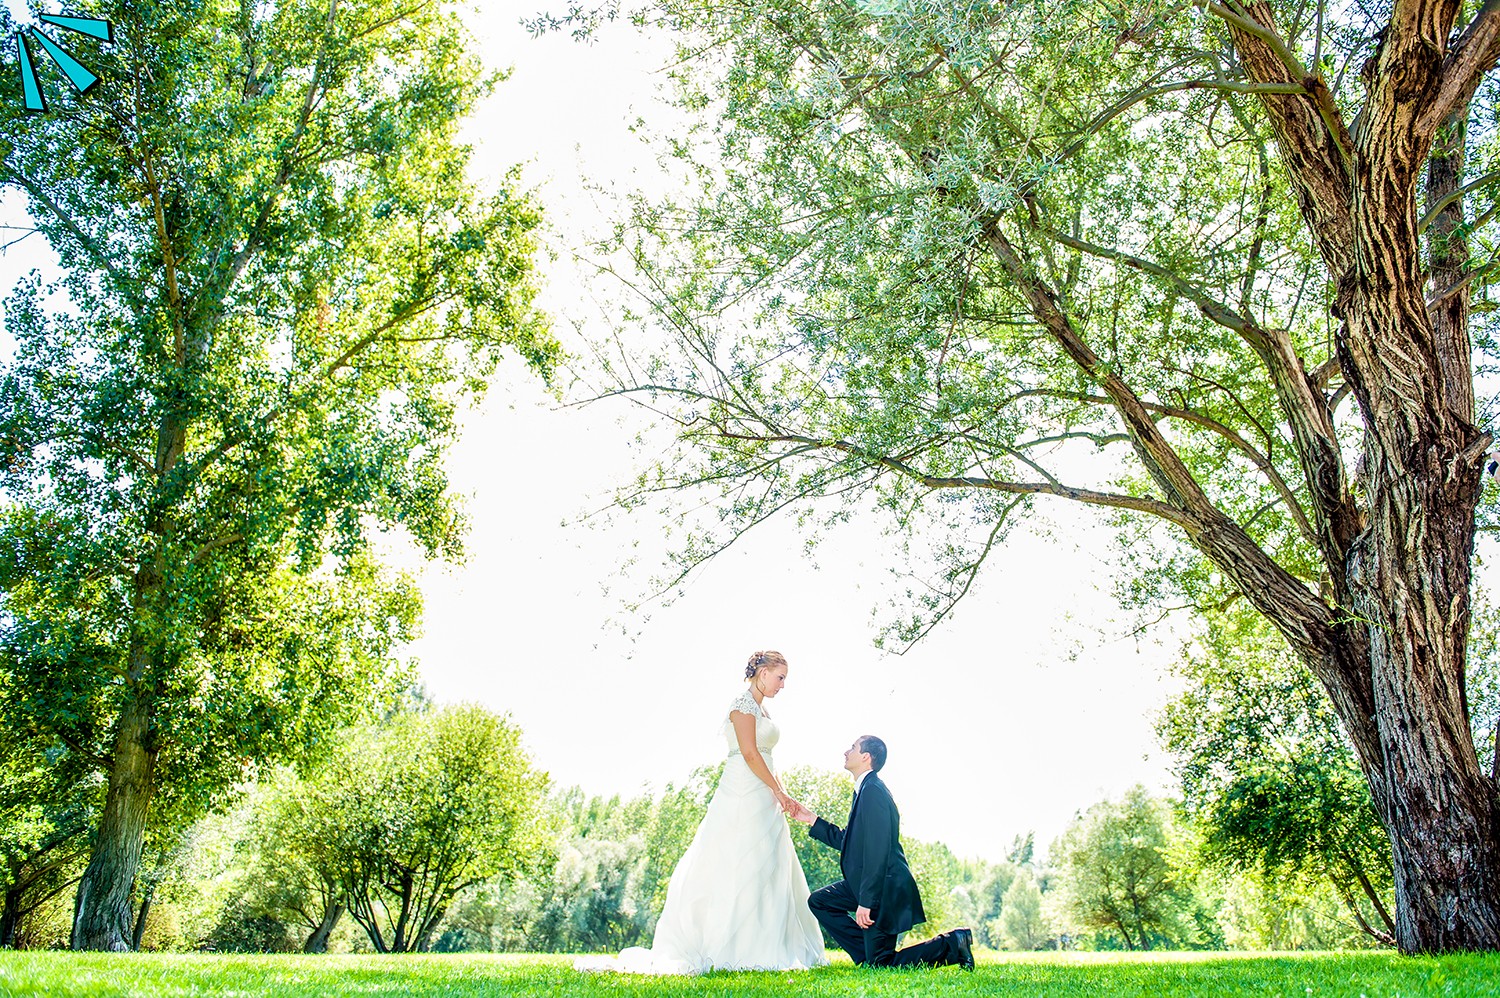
1029	704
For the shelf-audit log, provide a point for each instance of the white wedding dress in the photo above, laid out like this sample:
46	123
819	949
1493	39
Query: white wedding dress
737	899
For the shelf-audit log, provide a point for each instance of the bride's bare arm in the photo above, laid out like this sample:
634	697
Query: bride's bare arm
744	734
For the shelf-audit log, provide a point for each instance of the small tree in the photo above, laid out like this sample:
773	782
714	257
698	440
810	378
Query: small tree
1119	878
593	901
431	804
983	902
299	840
48	799
1268	773
1022	925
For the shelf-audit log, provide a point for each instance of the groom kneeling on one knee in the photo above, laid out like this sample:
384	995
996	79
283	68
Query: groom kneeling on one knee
878	889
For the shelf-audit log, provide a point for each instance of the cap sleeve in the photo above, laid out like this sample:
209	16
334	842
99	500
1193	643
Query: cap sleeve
745	704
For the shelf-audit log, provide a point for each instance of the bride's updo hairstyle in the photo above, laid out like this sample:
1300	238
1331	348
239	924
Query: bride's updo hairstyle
763	660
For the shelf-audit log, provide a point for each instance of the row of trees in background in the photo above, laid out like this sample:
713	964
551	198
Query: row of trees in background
389	827
431	830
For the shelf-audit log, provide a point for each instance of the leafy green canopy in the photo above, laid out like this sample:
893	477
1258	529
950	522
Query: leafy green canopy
840	320
407	814
47	799
278	286
1269	773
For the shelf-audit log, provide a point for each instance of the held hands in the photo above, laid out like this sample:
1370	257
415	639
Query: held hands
794	808
799	812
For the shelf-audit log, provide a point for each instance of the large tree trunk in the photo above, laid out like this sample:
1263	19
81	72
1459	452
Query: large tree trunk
1437	806
1403	582
1409	574
318	941
102	916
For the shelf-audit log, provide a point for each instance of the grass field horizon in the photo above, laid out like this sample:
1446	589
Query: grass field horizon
1065	975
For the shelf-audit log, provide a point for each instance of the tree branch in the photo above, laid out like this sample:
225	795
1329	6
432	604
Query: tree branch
970	573
1208	305
1311	137
1244	21
1434	210
96	255
1114	500
1474	54
1262	462
1301	402
1312	84
222	541
1304	619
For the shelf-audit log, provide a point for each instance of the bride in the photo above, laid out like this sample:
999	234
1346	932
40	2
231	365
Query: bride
737	899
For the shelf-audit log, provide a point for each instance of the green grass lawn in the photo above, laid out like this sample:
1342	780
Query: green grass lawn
1151	975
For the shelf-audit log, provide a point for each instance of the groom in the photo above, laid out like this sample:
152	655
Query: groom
877	889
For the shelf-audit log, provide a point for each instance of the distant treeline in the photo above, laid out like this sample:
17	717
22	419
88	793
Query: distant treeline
432	830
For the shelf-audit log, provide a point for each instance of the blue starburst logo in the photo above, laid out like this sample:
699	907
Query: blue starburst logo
29	39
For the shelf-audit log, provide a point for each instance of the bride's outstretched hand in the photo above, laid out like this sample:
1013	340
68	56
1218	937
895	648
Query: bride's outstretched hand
784	802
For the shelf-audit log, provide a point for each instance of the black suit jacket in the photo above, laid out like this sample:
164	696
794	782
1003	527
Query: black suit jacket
871	859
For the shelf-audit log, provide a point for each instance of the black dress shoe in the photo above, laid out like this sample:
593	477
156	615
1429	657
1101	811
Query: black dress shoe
963	947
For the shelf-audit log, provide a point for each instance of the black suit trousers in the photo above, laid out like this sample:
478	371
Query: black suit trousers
834	907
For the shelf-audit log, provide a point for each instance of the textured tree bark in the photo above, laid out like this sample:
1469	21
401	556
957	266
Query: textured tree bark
1438	808
1403	580
1410	580
102	912
1410	572
1448	256
102	915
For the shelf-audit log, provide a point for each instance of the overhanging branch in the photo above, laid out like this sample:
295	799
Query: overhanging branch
1140	504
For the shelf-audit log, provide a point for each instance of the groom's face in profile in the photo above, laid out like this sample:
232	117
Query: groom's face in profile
856	759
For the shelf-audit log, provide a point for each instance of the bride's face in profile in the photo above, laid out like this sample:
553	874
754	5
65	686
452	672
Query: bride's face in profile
770	681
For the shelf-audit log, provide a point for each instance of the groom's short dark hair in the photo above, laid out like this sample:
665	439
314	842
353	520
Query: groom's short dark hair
875	749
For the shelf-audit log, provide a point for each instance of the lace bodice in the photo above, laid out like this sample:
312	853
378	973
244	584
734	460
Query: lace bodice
766	732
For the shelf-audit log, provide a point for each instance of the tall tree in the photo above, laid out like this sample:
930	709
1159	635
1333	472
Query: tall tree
1021	923
935	257
298	841
278	284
